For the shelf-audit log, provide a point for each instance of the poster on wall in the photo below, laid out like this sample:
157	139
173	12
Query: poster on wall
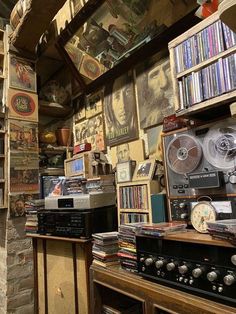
91	131
120	111
127	151
24	172
154	142
22	105
23	136
79	105
94	104
154	92
22	74
20	202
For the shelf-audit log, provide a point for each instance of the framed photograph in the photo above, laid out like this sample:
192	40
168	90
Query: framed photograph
125	170
127	151
154	91
22	74
91	131
94	104
120	111
22	105
144	170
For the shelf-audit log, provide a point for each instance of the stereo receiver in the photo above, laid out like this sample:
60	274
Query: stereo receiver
205	268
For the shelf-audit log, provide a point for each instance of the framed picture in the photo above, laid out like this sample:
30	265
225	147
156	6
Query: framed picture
94	104
144	170
91	131
79	105
154	91
154	142
22	74
120	111
20	202
125	170
22	105
127	151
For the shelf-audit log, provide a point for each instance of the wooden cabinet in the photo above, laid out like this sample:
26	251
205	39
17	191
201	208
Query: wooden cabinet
114	287
61	274
203	62
134	201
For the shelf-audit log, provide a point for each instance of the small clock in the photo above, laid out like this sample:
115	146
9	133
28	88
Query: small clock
201	213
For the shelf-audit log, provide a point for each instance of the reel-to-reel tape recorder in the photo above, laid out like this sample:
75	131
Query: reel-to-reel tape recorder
201	162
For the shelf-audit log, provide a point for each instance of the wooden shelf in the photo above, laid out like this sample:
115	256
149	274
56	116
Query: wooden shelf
227	12
56	150
54	110
196	237
206	62
136	210
2	156
49	237
209	103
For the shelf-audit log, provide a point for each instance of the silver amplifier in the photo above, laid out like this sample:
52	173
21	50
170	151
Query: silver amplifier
80	202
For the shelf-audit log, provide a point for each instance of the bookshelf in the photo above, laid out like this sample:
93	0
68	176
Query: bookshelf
203	66
134	201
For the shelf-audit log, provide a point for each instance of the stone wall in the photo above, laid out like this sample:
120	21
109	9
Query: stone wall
3	262
20	277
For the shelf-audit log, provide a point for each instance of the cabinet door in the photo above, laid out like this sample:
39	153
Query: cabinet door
60	278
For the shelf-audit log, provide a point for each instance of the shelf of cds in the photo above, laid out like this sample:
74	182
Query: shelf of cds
203	66
134	201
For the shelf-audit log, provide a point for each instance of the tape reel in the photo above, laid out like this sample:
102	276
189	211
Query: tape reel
184	154
220	146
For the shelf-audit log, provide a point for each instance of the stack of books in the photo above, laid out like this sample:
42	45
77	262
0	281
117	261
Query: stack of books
127	245
31	210
223	229
162	229
105	249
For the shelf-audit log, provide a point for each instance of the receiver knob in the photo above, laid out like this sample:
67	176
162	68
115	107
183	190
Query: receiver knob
229	280
170	266
233	259
182	205
183	269
197	272
160	263
212	276
148	261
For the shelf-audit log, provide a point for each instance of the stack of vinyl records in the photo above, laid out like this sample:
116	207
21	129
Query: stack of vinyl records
105	249
163	228
127	245
31	209
223	229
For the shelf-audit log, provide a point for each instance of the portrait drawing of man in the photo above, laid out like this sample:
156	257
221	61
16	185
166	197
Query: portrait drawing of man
120	111
155	93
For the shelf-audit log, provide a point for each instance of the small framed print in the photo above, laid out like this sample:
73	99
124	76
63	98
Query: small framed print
22	74
145	170
94	104
125	170
22	105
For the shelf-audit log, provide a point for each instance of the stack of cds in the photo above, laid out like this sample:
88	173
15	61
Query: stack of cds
104	183
31	209
105	249
223	229
163	228
127	245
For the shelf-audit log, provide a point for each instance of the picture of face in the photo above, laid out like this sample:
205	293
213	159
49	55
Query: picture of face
155	93
123	153
19	207
127	151
120	111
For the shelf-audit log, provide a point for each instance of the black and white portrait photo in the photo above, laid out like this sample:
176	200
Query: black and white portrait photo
155	93
120	111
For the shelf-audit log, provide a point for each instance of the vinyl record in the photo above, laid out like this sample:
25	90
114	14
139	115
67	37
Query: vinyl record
220	146
184	153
